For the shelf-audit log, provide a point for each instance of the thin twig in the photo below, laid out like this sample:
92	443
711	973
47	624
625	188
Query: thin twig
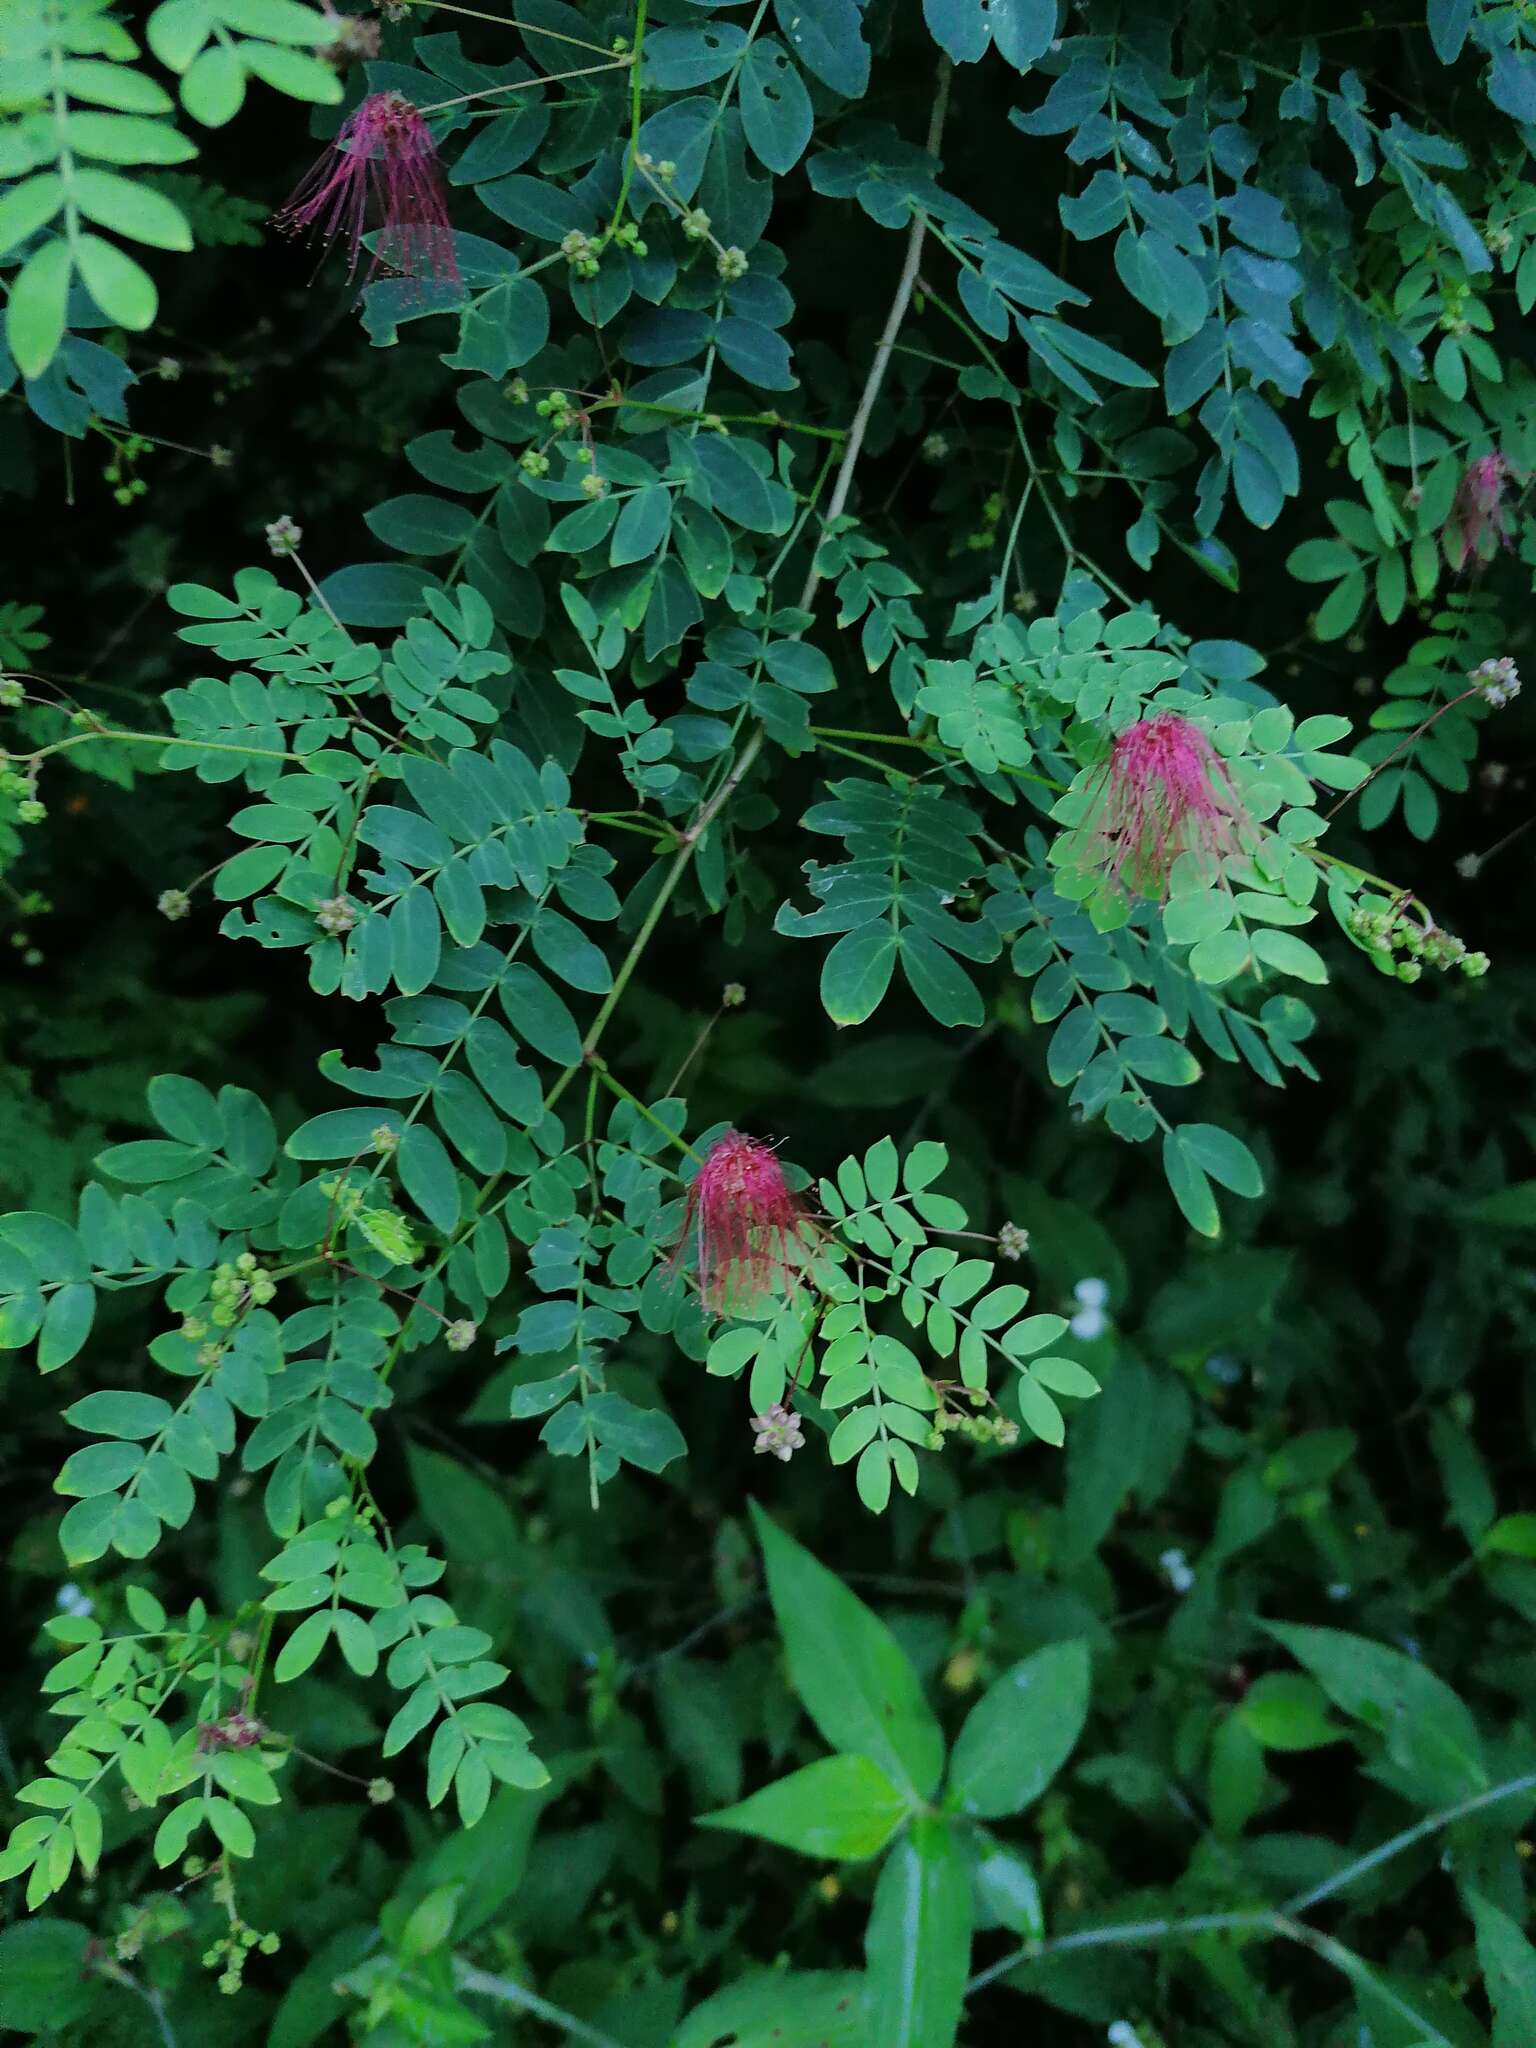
525	85
1279	1921
529	28
116	1974
690	839
1401	748
1395	1844
916	234
506	1991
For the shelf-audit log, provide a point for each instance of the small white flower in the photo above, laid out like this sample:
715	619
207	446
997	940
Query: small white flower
1090	1319
1497	682
70	1600
1339	1590
778	1432
1177	1570
283	536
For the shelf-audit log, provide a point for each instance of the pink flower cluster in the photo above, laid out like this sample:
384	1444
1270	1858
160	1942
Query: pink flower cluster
1479	524
381	172
745	1226
1163	792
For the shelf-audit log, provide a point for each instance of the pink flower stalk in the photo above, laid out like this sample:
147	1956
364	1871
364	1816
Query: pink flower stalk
745	1224
1479	524
380	172
1162	792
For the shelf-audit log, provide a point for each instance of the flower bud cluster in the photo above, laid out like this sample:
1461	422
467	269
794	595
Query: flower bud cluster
1454	292
119	472
236	1285
229	1951
581	252
1012	1242
1496	681
21	784
976	1429
336	916
778	1432
1387	933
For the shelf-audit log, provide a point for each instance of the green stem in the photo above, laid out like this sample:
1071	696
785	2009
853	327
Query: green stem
1433	1824
529	28
634	116
506	1991
691	838
905	284
1280	1921
728	419
681	860
159	739
601	1073
526	84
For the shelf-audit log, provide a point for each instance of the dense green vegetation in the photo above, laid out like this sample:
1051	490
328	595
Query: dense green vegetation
820	755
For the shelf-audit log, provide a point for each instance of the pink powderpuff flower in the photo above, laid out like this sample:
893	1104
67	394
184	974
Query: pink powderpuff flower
745	1225
1479	524
380	172
1162	792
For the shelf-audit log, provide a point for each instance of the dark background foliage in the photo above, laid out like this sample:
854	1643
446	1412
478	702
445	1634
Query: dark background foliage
1315	1419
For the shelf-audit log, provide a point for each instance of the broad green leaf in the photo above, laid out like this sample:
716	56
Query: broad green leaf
45	1983
213	89
293	72
131	209
66	1325
28	207
1430	1736
918	1942
780	2009
120	1414
843	1807
775	106
1283	1710
303	1646
1509	1972
34	314
1191	1190
1224	1157
828	38
857	972
1020	1732
852	1678
647	1437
